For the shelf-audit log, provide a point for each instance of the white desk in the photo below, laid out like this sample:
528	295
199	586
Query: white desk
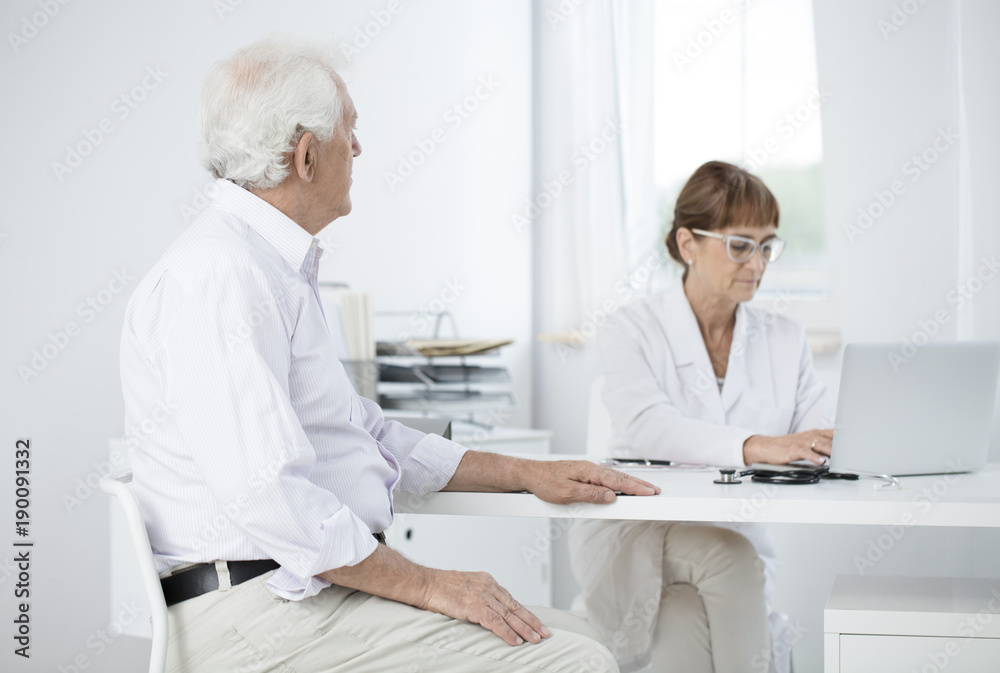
944	500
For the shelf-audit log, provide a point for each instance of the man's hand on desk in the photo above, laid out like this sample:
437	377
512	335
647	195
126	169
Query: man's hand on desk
561	482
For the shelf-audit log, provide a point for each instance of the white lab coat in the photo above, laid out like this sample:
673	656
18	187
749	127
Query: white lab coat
662	395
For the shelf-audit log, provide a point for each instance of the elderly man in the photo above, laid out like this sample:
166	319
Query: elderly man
266	488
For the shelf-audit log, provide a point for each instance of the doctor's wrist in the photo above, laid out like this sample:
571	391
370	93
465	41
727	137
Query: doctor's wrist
753	449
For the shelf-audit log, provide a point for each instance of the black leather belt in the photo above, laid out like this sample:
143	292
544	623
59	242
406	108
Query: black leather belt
203	578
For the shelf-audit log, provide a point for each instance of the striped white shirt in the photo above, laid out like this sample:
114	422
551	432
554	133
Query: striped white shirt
246	438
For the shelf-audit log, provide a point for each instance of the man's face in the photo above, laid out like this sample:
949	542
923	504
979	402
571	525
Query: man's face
336	161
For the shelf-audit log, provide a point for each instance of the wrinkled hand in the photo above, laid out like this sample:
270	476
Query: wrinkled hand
811	445
476	597
566	481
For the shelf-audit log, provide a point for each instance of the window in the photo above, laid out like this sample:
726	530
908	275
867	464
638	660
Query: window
736	81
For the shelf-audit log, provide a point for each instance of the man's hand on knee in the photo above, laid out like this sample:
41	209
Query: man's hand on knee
476	597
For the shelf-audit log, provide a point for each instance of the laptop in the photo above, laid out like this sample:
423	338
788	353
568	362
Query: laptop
925	412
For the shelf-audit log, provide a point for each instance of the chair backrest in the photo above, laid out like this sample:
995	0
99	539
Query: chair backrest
119	486
598	422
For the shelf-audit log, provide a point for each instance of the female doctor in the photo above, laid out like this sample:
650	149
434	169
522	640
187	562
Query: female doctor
697	375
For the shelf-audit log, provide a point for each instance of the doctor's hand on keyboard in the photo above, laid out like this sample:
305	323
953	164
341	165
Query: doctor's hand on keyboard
812	445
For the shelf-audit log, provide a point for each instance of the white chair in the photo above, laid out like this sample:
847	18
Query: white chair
119	486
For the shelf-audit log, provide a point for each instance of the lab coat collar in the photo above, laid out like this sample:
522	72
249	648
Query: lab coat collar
736	369
688	348
290	240
681	327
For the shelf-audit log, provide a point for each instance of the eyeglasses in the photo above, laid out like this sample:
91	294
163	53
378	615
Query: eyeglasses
740	249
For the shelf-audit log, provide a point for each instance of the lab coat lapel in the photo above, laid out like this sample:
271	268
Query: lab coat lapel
737	378
690	357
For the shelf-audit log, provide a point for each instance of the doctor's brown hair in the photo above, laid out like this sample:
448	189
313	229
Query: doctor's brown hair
718	195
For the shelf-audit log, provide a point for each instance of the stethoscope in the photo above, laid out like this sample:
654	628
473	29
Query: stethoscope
729	475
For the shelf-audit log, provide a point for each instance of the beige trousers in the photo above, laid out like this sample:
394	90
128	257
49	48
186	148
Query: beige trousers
712	611
683	597
247	629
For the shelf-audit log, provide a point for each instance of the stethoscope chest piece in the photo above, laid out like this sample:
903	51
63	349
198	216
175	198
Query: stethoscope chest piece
727	476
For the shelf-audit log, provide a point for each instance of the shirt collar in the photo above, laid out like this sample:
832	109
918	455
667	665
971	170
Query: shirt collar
291	241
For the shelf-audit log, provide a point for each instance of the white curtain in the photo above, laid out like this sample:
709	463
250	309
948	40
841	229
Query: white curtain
593	126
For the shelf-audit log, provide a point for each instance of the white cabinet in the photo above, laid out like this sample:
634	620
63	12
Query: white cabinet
515	550
887	624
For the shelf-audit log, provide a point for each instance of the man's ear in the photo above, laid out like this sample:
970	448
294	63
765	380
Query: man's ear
305	156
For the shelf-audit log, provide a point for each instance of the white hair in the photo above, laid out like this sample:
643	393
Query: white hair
256	105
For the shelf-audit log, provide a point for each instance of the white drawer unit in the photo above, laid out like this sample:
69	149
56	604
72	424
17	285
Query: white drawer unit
907	624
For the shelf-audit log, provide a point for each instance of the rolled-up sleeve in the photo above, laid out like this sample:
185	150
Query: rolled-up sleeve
229	356
427	462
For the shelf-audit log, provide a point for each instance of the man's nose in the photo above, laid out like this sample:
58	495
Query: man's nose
355	145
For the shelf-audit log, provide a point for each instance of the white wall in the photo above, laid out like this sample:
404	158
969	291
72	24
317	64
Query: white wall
61	241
